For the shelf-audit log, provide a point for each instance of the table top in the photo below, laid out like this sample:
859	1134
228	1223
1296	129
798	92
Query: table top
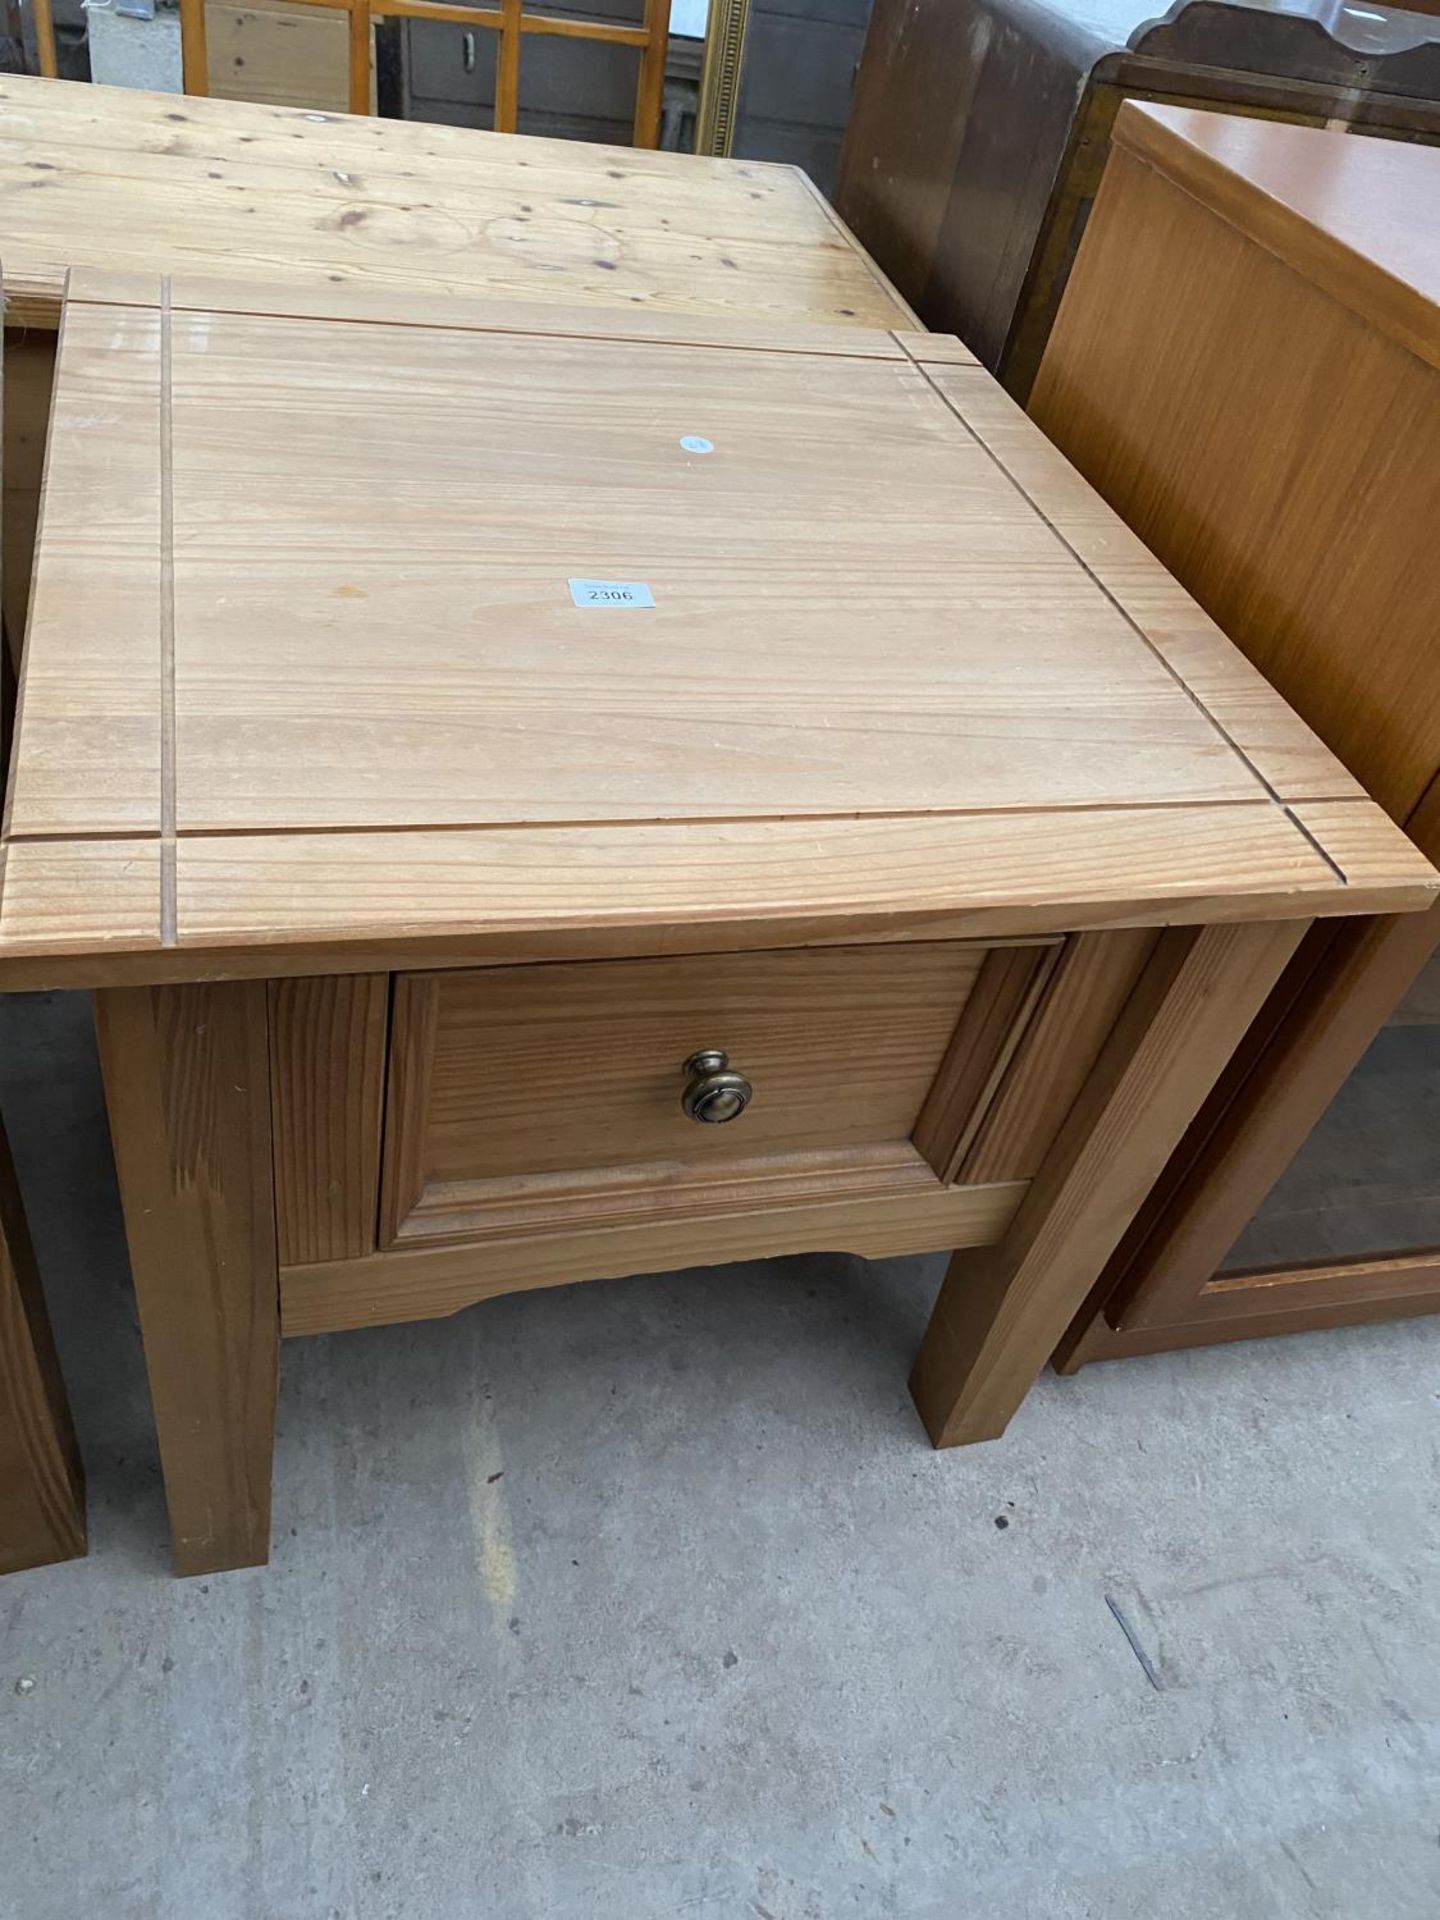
1356	215
98	176
365	622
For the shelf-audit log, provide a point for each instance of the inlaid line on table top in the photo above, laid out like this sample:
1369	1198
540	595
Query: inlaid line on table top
947	400
309	683
168	910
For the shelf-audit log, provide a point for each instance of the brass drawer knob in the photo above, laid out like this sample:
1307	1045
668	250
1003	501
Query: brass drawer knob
713	1094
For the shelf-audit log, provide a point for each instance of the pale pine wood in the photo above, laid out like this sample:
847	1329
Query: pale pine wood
1001	1311
187	1082
428	1282
1095	976
42	1485
510	1075
401	306
126	180
1271	735
1069	720
87	912
92	700
1072	710
993	1024
327	1071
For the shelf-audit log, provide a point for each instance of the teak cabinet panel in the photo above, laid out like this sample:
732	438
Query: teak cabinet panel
1263	406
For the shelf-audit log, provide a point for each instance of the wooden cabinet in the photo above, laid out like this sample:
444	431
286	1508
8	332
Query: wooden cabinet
451	727
980	129
1247	364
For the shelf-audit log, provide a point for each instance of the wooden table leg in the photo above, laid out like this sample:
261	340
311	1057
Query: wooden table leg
1002	1309
42	1488
187	1083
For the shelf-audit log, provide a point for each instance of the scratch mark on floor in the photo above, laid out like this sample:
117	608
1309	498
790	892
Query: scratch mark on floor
1134	1639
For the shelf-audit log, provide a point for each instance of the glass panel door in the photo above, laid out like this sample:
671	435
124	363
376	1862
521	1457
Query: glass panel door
1367	1181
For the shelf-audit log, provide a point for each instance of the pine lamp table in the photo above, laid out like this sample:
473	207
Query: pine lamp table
96	176
544	794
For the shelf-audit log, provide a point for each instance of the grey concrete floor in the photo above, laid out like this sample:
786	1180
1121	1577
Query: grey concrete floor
648	1601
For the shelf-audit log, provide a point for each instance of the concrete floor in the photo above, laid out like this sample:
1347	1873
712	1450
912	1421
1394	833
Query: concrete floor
648	1601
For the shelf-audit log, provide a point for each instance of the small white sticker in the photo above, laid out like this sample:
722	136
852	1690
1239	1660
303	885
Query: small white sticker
697	443
611	593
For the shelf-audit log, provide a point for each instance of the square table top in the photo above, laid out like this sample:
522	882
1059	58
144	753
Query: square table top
365	622
96	176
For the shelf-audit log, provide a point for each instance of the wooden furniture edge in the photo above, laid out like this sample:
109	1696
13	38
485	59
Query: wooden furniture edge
431	1282
550	893
1002	1310
882	279
357	303
1308	1300
1257	1118
1148	132
187	1085
42	1481
34	293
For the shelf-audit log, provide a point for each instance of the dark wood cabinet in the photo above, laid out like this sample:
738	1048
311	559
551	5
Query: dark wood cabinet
980	129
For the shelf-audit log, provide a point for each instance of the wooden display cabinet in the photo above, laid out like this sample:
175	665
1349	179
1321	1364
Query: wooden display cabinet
545	794
1247	365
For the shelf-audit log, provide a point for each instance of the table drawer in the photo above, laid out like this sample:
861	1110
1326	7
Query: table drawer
520	1096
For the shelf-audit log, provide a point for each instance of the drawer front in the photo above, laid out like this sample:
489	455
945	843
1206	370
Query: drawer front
525	1096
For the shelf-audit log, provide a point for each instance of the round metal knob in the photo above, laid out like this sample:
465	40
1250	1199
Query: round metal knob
713	1094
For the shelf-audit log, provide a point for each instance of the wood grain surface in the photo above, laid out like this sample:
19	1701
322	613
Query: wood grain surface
300	756
541	1070
1095	976
428	1282
1300	510
257	905
327	1068
1263	404
187	1083
42	1485
1002	1310
109	177
1344	218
